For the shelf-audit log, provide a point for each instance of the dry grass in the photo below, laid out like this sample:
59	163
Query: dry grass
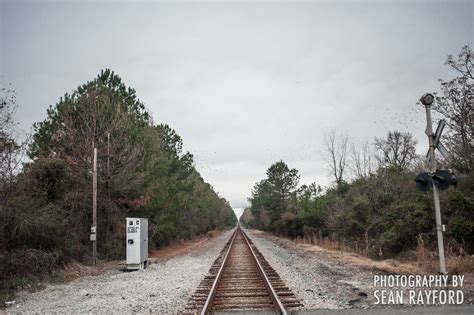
457	261
182	247
338	251
454	264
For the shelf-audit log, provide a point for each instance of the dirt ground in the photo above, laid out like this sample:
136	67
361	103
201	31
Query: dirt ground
183	247
75	270
163	288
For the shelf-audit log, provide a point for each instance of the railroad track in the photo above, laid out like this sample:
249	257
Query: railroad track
241	280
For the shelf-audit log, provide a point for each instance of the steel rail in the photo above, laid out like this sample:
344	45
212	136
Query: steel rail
207	306
269	286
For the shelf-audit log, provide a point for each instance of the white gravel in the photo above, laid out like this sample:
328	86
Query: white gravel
317	278
323	281
162	288
319	281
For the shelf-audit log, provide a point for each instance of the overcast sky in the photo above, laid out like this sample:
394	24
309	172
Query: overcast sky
244	84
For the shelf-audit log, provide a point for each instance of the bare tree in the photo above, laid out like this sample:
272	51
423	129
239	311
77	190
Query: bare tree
457	105
399	149
362	161
335	154
12	149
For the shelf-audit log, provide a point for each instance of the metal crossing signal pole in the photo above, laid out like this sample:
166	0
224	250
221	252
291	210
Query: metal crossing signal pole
427	100
94	210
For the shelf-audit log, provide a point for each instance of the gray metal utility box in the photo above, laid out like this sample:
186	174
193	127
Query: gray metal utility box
137	243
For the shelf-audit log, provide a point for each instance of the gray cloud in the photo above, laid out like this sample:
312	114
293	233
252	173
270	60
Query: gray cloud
244	84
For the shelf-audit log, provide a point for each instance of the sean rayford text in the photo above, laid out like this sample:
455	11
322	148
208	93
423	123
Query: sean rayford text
418	289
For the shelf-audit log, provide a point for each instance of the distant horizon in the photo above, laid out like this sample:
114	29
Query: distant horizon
238	212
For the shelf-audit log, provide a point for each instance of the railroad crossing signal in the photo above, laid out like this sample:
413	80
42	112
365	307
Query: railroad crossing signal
424	182
434	142
442	179
437	140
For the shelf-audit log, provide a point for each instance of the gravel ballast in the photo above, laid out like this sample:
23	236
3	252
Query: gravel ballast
326	281
316	276
320	282
162	288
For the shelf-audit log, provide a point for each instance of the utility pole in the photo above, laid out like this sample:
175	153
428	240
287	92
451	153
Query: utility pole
107	187
427	100
94	210
108	157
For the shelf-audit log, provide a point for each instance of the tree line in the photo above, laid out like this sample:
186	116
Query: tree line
373	203
46	207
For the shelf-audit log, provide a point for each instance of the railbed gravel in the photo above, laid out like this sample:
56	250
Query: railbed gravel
319	281
163	288
325	282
